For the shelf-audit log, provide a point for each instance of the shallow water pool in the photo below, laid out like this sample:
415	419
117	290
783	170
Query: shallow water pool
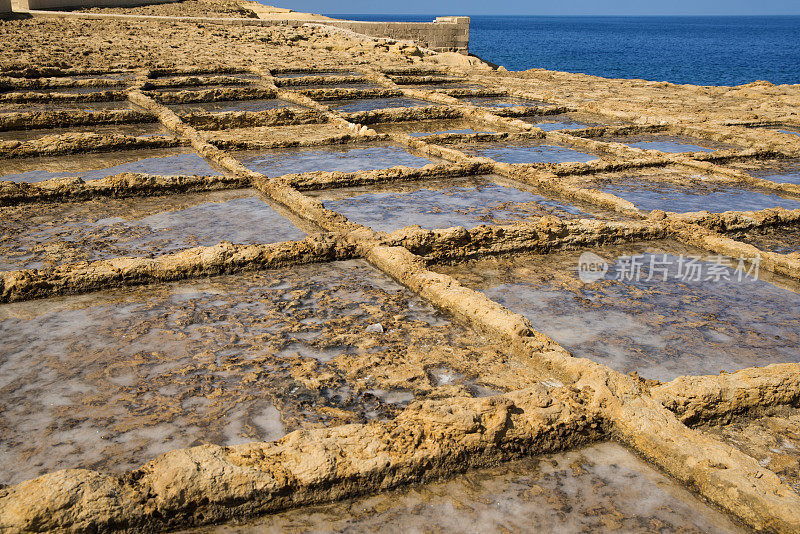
530	152
466	202
682	316
162	161
222	106
599	488
37	236
370	104
343	158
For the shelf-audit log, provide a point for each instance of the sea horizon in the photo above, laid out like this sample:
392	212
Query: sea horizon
717	50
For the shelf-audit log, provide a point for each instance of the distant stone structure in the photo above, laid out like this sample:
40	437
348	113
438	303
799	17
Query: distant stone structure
5	6
445	34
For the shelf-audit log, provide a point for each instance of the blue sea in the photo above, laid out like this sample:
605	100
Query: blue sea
696	50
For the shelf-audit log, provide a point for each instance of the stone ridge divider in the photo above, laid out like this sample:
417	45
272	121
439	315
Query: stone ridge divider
33	96
33	120
419	113
313	181
731	221
10	83
456	92
311	79
334	94
718	398
228	120
223	258
83	142
198	81
345	137
540	236
223	143
209	484
117	186
195	95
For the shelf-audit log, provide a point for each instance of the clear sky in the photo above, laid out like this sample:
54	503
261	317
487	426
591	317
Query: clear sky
550	7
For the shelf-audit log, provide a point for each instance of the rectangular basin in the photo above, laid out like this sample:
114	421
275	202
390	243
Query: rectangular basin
344	158
111	379
679	318
444	203
162	161
38	236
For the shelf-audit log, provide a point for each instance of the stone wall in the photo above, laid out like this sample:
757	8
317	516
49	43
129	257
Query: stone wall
445	34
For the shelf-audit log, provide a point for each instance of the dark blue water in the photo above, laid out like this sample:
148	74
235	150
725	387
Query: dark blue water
697	50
